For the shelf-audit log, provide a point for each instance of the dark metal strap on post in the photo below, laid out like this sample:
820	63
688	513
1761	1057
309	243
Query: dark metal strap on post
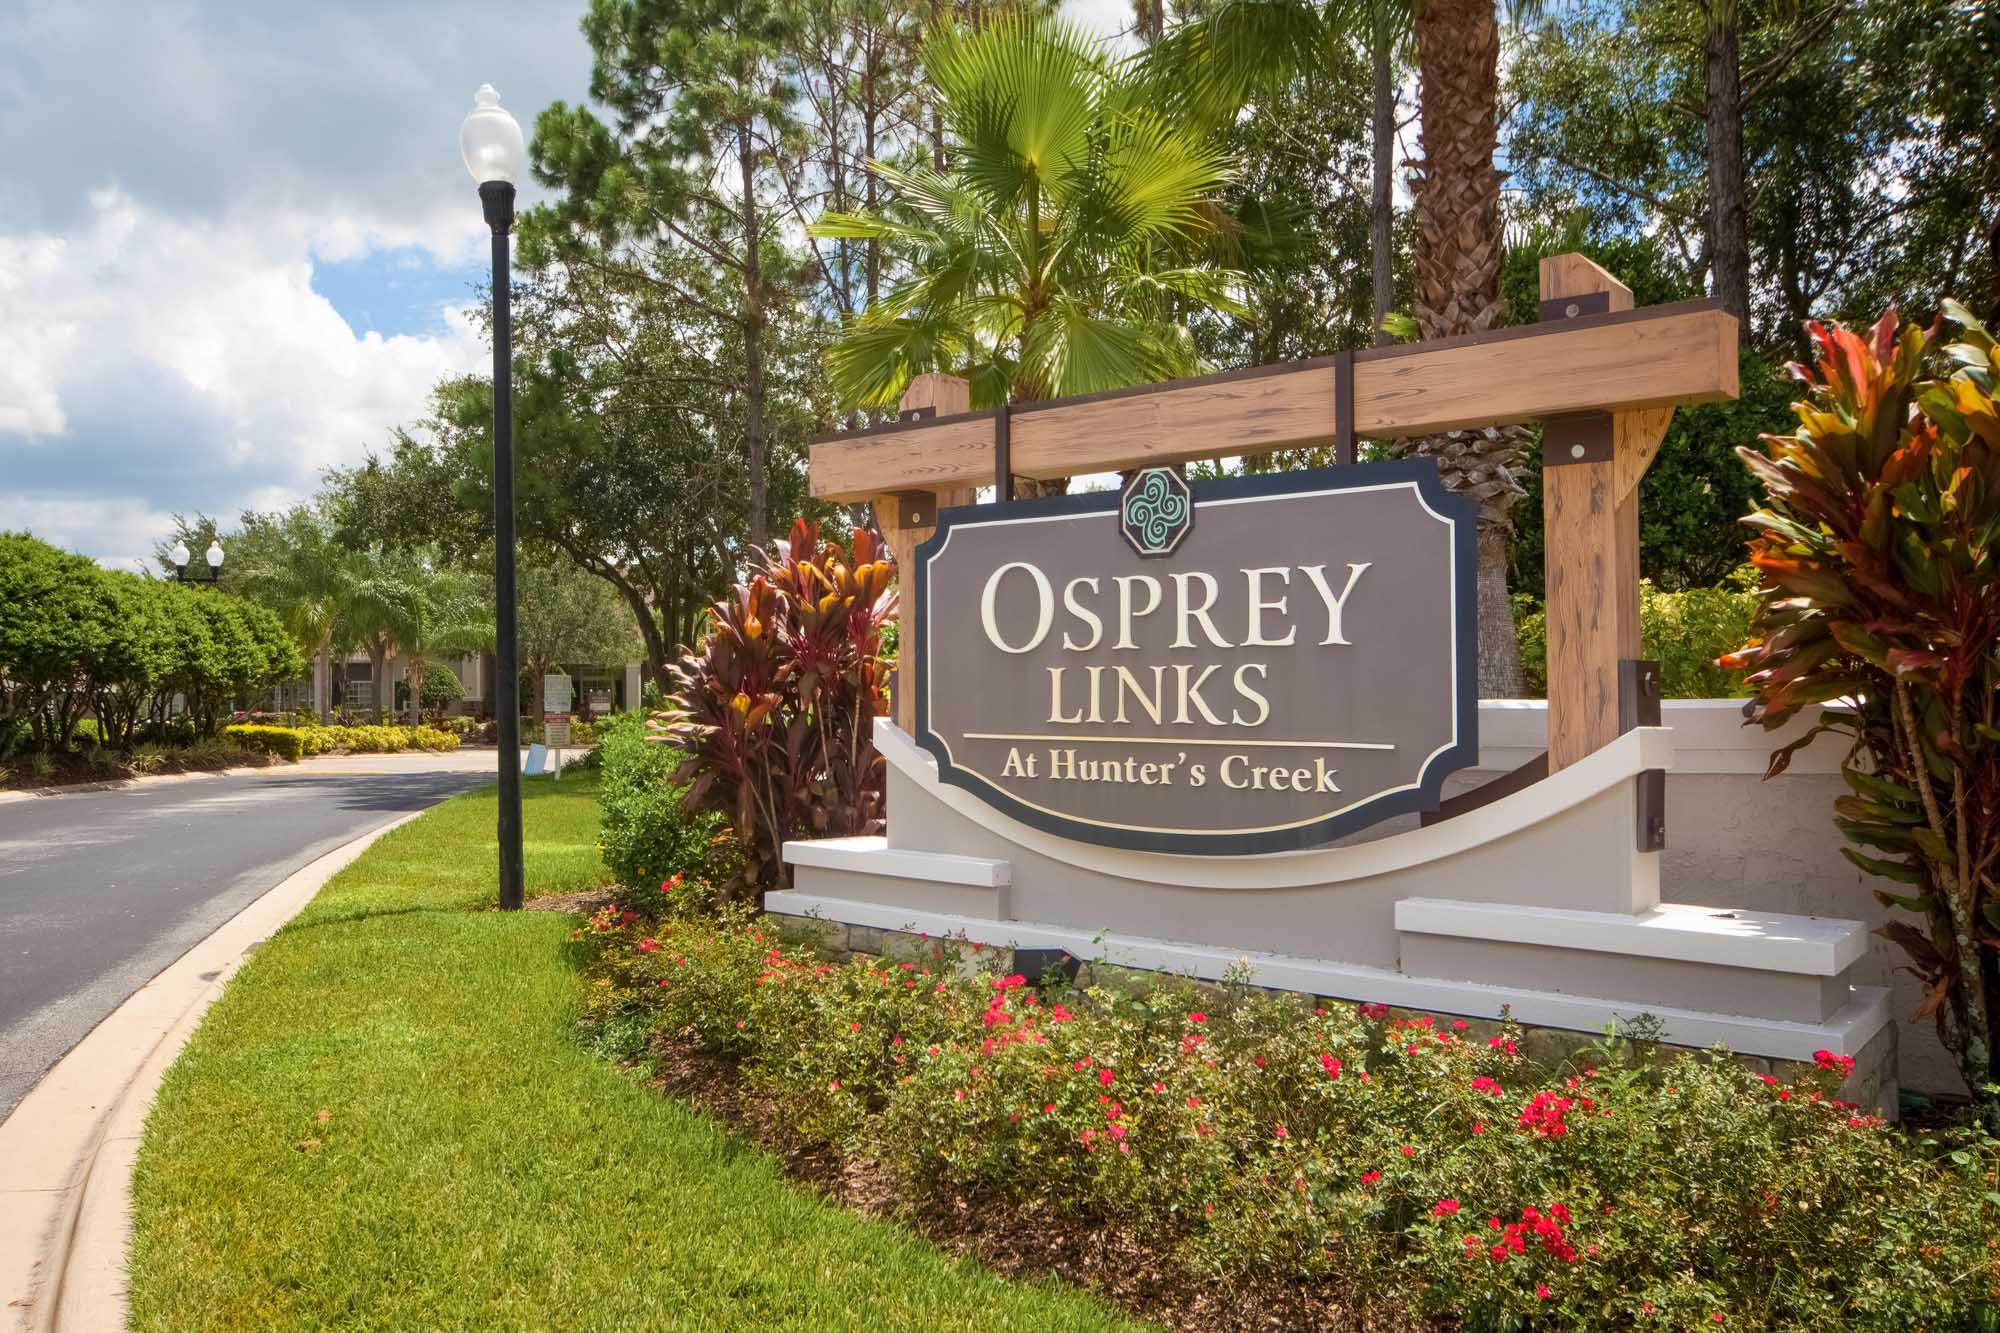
1343	408
1003	456
1639	706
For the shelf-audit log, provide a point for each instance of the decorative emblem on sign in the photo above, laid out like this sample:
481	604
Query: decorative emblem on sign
1155	511
1301	666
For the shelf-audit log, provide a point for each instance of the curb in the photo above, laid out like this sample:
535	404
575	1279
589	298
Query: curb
67	1150
122	784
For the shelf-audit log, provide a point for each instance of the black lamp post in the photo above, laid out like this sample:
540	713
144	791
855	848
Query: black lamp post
180	557
496	156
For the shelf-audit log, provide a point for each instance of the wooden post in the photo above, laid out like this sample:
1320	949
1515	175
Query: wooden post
898	515
1590	518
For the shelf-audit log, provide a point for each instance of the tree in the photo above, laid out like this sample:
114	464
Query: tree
1456	191
1866	163
431	610
294	566
1055	255
568	616
50	626
703	99
1285	56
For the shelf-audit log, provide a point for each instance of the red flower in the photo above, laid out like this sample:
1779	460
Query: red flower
1371	1177
1194	1102
1498	1254
1197	1018
1408	1151
1488	1085
1008	983
1281	1132
1542	1290
1839	1064
649	945
1444	1208
1330	1065
1105	1076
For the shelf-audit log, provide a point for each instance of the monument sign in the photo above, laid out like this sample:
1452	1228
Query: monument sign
1251	664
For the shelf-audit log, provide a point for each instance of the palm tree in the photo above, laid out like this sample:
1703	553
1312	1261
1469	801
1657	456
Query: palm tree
1241	49
1213	64
1056	253
306	578
434	611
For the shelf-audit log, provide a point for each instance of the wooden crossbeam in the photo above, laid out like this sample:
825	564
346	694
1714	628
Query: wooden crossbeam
1622	361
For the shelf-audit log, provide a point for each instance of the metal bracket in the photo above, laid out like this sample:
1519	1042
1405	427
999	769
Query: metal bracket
1343	408
1639	706
1034	964
915	509
1638	694
1652	790
1576	437
1003	456
1570	307
928	412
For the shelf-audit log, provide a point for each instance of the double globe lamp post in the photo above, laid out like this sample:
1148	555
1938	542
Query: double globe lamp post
497	157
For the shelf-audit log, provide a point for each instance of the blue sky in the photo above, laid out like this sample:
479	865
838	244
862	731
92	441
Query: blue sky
237	245
403	290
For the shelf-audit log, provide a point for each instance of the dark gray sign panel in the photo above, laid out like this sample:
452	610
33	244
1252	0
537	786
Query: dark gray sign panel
1281	661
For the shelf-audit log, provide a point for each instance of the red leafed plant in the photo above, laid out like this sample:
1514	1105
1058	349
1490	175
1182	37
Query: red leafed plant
775	709
1880	549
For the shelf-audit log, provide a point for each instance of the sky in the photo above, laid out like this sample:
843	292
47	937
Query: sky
237	244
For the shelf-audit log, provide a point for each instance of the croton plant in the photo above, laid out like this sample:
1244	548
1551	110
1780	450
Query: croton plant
1880	550
775	709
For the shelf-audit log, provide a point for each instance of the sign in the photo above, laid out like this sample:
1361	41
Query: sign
1247	665
555	694
555	729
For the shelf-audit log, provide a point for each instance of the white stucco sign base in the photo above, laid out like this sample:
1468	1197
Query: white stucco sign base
1537	903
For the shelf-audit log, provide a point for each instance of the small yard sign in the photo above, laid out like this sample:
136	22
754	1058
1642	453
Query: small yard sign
1251	664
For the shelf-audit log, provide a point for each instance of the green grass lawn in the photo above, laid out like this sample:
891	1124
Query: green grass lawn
478	1168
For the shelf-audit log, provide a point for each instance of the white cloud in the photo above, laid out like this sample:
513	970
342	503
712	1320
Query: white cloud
168	364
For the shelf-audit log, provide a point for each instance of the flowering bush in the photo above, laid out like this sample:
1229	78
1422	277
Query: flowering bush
1412	1164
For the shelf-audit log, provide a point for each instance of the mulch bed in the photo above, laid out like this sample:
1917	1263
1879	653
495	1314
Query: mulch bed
1014	1240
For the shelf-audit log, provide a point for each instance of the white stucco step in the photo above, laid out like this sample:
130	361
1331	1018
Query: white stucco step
1726	937
872	855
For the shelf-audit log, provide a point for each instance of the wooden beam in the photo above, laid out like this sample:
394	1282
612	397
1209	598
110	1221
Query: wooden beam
1590	517
951	396
1652	358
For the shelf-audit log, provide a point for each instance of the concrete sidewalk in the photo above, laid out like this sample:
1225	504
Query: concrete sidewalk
66	1152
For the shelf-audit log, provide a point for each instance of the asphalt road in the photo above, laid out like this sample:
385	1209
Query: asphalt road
99	891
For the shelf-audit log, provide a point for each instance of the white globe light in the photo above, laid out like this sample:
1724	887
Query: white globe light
214	554
179	555
490	141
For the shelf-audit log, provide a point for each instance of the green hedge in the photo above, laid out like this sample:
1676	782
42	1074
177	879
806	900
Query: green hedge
375	740
1684	631
77	639
284	742
648	835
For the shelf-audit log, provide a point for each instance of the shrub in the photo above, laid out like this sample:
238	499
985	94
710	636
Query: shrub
1408	1163
76	638
284	742
774	712
441	686
1685	632
375	740
648	832
1880	550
